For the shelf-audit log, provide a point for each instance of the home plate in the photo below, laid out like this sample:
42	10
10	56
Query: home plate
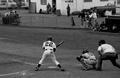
52	67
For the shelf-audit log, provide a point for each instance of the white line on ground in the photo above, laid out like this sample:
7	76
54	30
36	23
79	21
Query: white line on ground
33	64
28	63
21	73
26	72
1	38
9	74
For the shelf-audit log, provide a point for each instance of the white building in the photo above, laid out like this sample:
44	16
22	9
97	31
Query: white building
24	3
118	6
75	5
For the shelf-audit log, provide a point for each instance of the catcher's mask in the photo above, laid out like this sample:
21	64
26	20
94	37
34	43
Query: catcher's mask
85	51
101	42
50	38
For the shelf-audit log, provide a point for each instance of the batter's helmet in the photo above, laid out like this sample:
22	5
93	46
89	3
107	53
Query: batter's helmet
101	42
50	38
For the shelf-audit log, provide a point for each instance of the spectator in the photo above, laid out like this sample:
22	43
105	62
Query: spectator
16	17
90	20
82	18
93	19
54	9
48	8
11	17
68	10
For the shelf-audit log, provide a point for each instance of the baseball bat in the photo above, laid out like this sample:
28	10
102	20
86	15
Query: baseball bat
60	43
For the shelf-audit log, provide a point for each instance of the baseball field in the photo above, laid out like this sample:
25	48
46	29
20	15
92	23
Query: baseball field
20	48
20	51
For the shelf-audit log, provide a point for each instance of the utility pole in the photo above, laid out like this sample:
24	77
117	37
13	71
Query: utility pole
117	6
29	6
76	5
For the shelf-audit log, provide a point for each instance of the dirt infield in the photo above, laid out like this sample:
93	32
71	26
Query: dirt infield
20	51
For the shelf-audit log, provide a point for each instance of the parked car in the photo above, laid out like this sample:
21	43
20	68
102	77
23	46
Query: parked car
101	10
113	23
7	4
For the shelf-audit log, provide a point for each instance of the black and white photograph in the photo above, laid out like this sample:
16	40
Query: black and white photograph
59	38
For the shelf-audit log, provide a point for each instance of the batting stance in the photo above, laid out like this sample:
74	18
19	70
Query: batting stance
49	50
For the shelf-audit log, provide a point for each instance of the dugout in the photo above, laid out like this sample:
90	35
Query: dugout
113	23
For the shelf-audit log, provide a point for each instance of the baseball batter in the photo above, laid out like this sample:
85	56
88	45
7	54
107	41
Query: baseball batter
49	50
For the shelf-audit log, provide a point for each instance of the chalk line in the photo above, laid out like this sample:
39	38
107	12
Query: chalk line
28	63
9	74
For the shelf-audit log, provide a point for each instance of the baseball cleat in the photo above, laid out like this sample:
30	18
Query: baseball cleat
36	68
62	69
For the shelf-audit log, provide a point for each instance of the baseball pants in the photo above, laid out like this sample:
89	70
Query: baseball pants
49	53
108	56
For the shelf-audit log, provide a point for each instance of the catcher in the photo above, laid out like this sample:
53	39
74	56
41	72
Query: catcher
49	48
87	60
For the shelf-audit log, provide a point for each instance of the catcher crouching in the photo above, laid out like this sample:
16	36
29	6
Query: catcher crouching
87	60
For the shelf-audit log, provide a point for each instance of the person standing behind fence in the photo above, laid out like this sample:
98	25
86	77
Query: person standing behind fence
68	10
11	17
54	9
82	18
16	17
93	19
48	8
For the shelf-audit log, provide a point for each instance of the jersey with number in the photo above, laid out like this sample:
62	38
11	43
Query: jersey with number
49	45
